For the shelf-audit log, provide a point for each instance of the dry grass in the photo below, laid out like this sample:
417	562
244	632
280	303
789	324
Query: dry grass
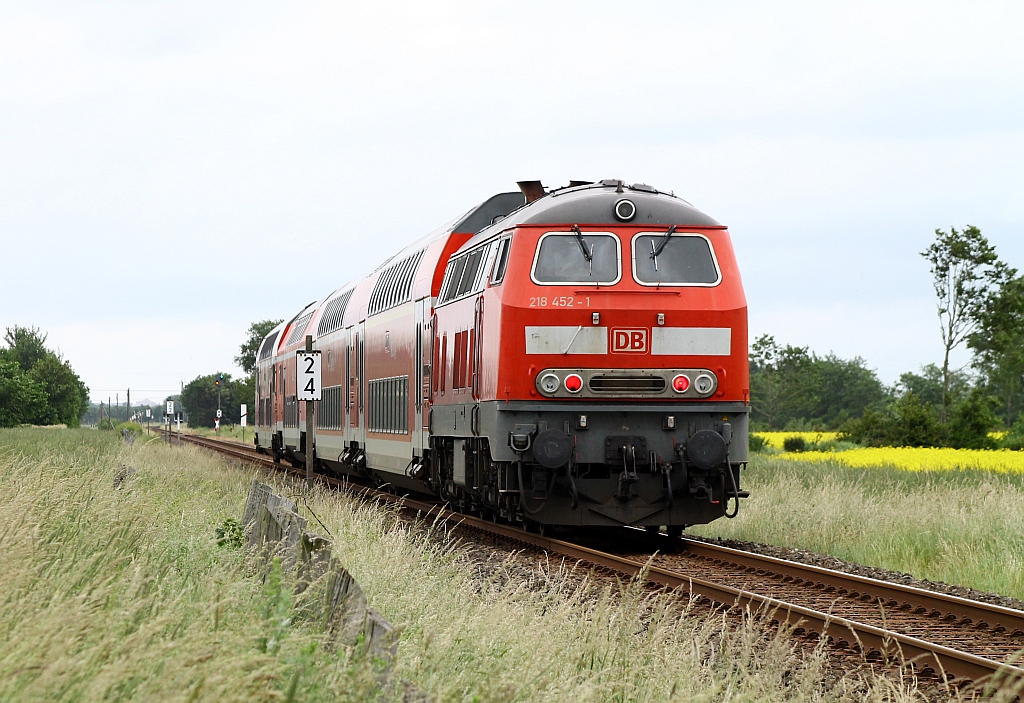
124	595
961	527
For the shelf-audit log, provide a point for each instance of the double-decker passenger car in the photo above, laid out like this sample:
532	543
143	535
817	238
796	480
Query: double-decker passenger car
574	357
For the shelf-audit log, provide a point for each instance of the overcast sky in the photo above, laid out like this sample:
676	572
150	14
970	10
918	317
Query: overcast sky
171	172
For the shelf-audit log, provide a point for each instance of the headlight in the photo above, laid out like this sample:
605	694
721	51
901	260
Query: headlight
681	383
549	383
704	383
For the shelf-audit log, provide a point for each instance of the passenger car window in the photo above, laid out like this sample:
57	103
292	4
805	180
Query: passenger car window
674	260
565	257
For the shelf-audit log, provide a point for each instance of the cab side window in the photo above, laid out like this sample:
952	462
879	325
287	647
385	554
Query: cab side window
501	261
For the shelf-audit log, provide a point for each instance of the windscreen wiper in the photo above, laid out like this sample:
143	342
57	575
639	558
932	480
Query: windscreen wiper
661	244
583	245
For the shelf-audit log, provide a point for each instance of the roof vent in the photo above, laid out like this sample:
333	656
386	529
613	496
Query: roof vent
574	184
533	190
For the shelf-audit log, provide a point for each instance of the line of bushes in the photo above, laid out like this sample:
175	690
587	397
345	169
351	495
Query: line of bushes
911	422
37	385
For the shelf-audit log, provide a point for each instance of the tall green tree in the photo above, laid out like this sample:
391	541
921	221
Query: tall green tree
246	358
778	378
842	389
200	397
926	385
964	269
998	346
25	345
66	398
792	387
21	398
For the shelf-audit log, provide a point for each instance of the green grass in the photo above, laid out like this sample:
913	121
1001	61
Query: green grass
961	527
124	595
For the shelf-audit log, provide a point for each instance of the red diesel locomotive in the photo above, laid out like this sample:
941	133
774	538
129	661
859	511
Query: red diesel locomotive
573	357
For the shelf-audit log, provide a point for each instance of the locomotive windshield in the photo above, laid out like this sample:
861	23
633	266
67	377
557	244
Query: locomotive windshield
674	260
577	258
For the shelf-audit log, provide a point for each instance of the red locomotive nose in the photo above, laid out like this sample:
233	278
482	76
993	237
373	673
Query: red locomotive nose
573	383
680	383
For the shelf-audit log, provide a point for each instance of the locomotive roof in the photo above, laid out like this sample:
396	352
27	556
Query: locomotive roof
594	204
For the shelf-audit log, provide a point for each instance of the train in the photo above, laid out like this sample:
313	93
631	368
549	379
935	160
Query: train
564	358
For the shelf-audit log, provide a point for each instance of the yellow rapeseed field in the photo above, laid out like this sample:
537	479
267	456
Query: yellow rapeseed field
920	458
907	458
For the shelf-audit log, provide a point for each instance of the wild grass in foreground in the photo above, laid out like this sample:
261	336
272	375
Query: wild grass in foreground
962	527
125	595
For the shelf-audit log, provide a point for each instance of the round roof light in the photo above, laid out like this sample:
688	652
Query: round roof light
549	383
681	383
625	210
704	384
573	383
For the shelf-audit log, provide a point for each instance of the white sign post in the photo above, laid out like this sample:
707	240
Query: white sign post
308	387
167	419
243	414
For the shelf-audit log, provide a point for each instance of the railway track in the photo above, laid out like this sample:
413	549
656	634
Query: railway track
952	638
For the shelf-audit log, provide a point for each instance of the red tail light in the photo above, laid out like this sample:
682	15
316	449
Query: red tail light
680	383
573	383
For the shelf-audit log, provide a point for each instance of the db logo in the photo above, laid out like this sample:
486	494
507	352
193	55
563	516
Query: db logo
629	339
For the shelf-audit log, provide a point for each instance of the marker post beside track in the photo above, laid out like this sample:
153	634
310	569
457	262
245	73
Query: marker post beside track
307	386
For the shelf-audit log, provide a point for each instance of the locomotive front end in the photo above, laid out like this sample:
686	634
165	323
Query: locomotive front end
613	378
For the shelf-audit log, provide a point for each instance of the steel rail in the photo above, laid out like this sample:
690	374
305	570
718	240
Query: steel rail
926	656
893	595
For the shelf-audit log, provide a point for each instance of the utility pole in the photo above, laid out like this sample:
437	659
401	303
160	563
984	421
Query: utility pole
128	406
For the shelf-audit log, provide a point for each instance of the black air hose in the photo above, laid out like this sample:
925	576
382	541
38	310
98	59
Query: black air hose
735	490
572	489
